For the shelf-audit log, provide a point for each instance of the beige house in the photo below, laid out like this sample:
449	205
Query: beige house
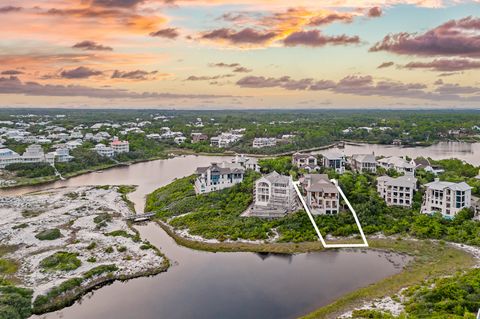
322	196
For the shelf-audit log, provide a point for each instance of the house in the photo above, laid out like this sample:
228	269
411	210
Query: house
397	191
199	137
7	157
260	142
119	146
62	155
218	176
322	196
179	140
33	154
446	198
364	163
305	161
398	164
247	162
274	196
103	150
225	140
335	161
424	163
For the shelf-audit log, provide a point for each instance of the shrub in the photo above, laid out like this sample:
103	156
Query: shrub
49	234
62	261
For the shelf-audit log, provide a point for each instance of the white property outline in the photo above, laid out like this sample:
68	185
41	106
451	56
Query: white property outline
325	245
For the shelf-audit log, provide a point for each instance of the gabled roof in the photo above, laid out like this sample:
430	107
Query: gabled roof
364	158
403	181
396	161
441	185
222	168
332	155
320	183
274	177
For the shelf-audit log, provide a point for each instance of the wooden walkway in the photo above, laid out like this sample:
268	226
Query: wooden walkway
139	217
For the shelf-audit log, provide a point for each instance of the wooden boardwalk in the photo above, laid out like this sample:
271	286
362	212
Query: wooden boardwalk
139	217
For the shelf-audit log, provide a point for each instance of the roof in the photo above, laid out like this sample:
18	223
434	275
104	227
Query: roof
421	162
274	178
332	155
364	158
441	185
320	183
222	168
405	181
302	155
396	161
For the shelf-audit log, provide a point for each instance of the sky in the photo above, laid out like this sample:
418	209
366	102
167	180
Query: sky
240	54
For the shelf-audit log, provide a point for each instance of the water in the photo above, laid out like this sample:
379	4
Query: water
220	285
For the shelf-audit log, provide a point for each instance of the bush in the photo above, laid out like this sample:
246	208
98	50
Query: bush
61	261
49	234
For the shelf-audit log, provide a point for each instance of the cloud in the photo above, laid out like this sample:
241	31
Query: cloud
208	78
365	85
385	65
9	9
11	72
169	33
117	3
237	68
79	73
374	12
244	36
315	38
134	75
330	18
91	46
13	85
453	38
445	65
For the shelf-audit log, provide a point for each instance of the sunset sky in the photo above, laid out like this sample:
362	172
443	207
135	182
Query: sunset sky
203	54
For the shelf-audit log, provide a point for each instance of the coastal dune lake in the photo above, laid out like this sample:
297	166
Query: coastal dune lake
230	285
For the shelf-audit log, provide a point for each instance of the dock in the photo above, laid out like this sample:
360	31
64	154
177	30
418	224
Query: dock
139	217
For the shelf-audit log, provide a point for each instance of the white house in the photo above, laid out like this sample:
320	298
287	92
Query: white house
322	196
225	139
305	161
7	157
33	154
247	162
364	163
260	142
397	191
398	164
334	160
274	196
446	198
179	140
62	155
424	163
119	146
218	176
103	150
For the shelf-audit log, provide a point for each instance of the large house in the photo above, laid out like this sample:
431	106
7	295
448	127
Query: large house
33	154
225	139
364	163
398	164
446	198
274	196
218	176
103	150
247	162
119	146
260	142
322	196
7	157
305	161
424	163
397	191
335	161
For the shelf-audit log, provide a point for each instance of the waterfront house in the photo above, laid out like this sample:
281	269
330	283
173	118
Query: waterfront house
7	157
335	161
199	137
218	176
247	162
305	161
446	198
179	140
322	196
260	142
33	154
397	191
225	140
424	163
119	146
274	196
364	163
398	164
103	150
